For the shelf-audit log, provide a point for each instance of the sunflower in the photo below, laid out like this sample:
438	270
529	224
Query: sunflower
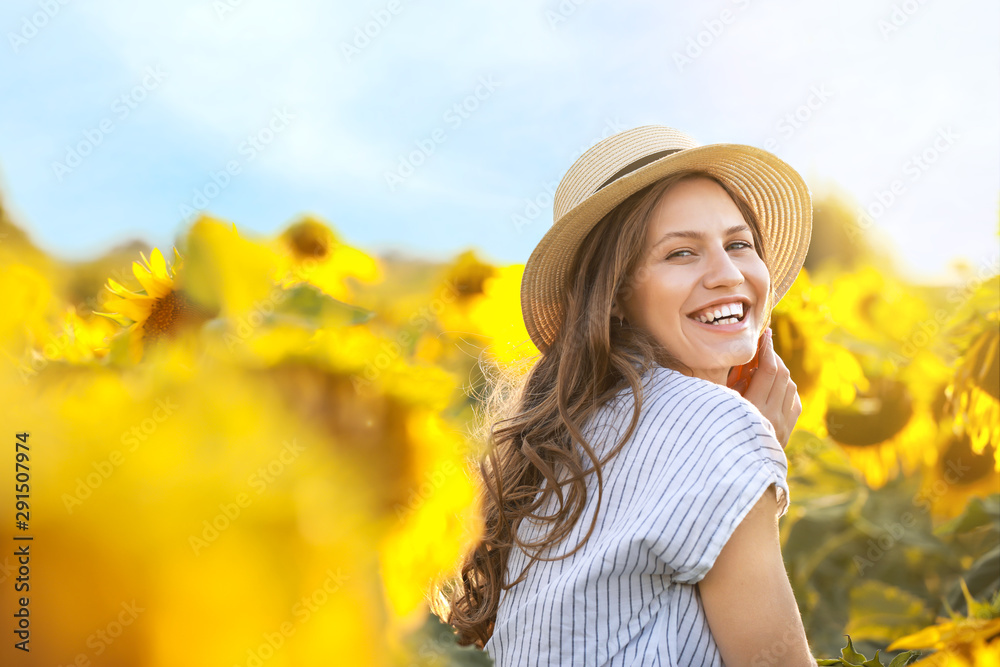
974	394
969	641
497	314
891	427
159	310
315	254
824	372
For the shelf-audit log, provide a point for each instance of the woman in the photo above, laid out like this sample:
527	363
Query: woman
631	495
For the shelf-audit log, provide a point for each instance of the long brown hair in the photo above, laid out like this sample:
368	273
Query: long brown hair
532	419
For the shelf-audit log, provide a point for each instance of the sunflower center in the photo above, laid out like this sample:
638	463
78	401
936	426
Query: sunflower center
166	315
308	242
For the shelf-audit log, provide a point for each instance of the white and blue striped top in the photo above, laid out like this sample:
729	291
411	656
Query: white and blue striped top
699	459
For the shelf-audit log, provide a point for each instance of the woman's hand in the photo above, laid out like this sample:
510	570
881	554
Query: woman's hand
771	389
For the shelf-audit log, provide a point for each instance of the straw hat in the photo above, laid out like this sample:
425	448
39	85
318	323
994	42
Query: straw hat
621	165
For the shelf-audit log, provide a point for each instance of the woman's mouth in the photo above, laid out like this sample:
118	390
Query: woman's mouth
723	318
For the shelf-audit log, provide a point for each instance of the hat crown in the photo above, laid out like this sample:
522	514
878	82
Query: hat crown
603	161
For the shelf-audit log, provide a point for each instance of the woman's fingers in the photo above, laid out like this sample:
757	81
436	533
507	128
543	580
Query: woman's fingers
782	378
789	398
763	378
774	393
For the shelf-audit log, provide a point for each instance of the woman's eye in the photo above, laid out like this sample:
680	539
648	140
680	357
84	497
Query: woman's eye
739	245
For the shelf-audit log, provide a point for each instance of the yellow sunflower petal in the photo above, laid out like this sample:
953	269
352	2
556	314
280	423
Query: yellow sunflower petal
117	288
154	287
135	308
158	265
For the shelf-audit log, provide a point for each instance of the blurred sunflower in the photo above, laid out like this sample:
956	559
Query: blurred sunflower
877	313
890	428
959	475
30	301
80	340
823	372
161	309
315	254
974	393
461	286
972	641
497	314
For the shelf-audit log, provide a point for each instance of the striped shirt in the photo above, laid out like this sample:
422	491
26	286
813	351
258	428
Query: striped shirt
699	459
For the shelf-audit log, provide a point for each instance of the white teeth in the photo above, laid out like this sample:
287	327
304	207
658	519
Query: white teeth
731	311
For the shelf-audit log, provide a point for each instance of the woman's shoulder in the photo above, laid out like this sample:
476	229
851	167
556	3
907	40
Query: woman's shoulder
707	407
680	411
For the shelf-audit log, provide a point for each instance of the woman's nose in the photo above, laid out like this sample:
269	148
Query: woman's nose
721	270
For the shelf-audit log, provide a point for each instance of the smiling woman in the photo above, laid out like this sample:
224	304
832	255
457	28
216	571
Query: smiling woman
653	286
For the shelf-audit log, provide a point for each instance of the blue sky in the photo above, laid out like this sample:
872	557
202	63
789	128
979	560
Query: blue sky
432	127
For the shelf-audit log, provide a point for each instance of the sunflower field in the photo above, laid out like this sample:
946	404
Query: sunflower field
252	451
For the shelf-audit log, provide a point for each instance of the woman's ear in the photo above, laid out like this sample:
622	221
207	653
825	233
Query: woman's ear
616	311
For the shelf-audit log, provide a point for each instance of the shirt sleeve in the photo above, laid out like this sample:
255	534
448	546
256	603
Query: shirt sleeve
715	471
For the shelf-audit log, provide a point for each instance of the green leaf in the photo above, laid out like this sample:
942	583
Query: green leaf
320	309
904	658
850	656
979	512
118	348
829	661
874	662
881	613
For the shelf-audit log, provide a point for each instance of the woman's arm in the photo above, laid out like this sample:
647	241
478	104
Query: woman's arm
747	597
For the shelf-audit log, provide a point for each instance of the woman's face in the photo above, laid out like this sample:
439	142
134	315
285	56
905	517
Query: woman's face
699	257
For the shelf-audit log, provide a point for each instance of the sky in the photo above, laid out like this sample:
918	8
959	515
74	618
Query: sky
435	127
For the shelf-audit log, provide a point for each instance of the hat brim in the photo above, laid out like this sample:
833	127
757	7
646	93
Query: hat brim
772	188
